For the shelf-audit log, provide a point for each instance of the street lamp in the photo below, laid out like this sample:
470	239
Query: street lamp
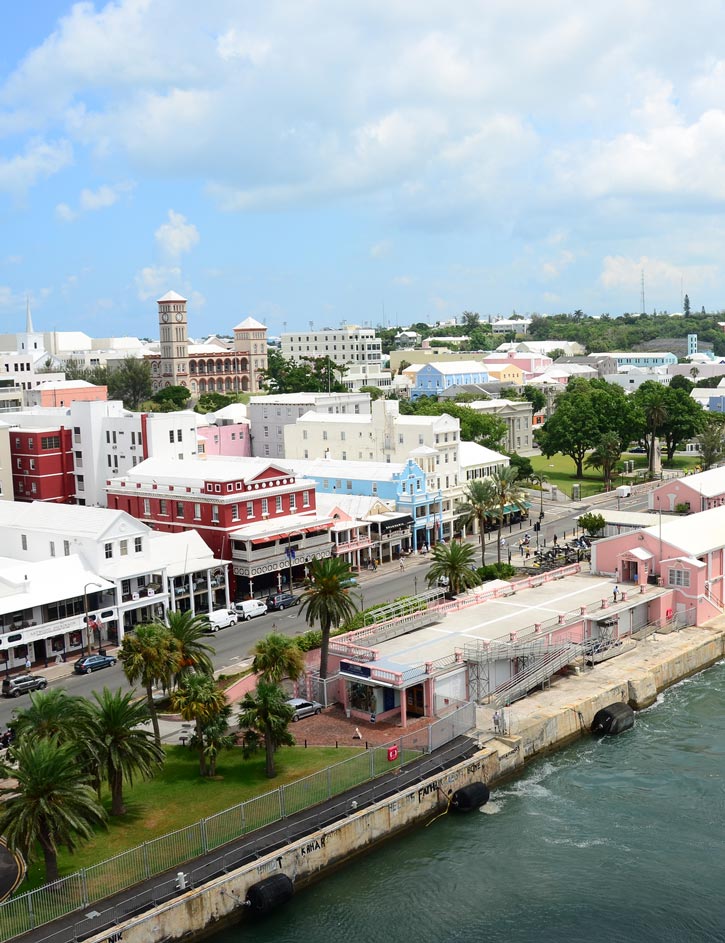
85	607
415	584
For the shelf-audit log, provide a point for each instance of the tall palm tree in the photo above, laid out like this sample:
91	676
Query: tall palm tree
508	495
200	701
150	655
51	805
327	599
123	748
655	414
265	717
277	657
188	630
479	499
605	456
454	562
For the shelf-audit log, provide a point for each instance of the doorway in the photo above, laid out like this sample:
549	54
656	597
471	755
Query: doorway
415	701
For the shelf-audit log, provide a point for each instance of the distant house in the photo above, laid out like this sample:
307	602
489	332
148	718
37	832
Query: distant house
433	378
407	339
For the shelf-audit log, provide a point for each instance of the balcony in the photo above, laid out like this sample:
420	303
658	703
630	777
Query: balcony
359	543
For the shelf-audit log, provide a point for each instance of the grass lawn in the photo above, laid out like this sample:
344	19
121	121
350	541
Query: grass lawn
560	470
178	796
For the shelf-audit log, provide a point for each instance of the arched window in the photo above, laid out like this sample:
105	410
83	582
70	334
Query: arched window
202	386
245	384
244	365
227	365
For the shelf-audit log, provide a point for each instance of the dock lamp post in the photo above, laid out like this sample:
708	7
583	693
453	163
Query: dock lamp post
85	608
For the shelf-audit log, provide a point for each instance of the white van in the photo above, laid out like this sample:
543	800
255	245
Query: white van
249	608
221	618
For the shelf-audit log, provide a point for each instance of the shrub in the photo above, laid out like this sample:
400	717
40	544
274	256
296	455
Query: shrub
496	571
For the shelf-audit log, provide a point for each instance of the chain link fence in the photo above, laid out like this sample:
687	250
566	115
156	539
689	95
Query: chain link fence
92	884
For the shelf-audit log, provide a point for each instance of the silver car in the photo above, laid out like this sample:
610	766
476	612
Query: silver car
304	708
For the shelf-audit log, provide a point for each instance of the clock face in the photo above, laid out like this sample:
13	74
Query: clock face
179	316
164	317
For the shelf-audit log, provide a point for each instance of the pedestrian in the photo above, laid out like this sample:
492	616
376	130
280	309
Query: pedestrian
496	721
59	659
555	539
503	542
28	666
528	552
401	564
615	593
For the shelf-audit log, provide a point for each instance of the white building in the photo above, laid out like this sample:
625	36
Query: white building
345	345
66	567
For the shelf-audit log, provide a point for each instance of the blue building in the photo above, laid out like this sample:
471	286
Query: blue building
433	378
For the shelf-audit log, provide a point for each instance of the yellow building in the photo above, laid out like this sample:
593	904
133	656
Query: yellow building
506	373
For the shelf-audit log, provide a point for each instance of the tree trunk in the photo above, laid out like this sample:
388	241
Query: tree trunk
50	856
152	712
500	530
482	535
115	781
323	650
202	754
269	751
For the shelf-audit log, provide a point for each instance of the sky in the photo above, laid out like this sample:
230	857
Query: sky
320	162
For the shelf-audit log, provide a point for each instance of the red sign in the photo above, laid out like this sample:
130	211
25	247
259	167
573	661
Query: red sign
392	753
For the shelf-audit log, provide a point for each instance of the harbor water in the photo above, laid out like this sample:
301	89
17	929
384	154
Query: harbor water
619	839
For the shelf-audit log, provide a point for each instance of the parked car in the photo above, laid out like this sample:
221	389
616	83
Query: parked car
303	708
221	618
89	663
249	608
282	601
14	687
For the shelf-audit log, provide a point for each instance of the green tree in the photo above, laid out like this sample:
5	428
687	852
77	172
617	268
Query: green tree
479	503
51	806
712	440
523	465
684	420
311	375
130	381
686	307
679	382
187	631
470	320
592	523
211	402
651	403
481	428
374	392
124	750
453	562
509	497
52	714
265	717
277	657
327	600
200	701
605	456
172	397
535	396
150	655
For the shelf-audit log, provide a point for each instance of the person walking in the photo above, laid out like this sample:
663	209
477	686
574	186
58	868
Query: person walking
401	564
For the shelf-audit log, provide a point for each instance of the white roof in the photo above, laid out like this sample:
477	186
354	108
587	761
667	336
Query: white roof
193	472
64	384
289	524
709	483
696	533
337	468
358	506
471	454
171	296
458	366
249	324
180	553
65	519
25	584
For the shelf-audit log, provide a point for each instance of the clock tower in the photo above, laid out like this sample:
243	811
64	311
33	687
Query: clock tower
174	338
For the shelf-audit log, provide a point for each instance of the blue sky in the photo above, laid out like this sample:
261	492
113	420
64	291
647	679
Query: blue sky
318	161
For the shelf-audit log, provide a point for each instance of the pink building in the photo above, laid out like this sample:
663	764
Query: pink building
227	439
684	556
698	492
65	392
529	363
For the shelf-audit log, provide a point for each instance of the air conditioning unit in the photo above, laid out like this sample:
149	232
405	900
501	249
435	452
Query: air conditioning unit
135	596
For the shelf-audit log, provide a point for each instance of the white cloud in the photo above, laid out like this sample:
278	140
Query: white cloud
237	45
177	236
65	213
40	160
404	281
153	281
621	272
554	267
380	249
101	198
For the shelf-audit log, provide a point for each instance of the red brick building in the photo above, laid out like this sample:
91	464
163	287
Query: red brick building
249	510
42	462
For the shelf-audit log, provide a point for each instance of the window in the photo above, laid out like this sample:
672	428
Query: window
171	435
52	548
180	510
342	436
265	506
215	513
49	442
678	578
304	433
305	499
81	482
278	504
32	464
197	512
375	487
146	507
66	548
250	509
324	435
108	551
163	507
123	546
138	544
235	512
292	503
178	435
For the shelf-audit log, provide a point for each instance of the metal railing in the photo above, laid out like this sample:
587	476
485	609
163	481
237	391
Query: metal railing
27	911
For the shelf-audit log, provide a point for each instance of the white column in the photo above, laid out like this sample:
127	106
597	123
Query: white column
210	605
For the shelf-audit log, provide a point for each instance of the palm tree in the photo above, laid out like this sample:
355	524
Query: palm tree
265	716
188	630
326	598
479	501
51	805
453	562
508	495
52	713
654	401
150	655
122	747
217	736
605	456
200	701
277	657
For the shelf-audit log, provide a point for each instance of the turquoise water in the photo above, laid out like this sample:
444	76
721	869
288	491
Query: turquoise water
620	839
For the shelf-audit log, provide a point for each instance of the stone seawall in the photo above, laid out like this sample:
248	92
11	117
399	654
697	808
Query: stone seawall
535	725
